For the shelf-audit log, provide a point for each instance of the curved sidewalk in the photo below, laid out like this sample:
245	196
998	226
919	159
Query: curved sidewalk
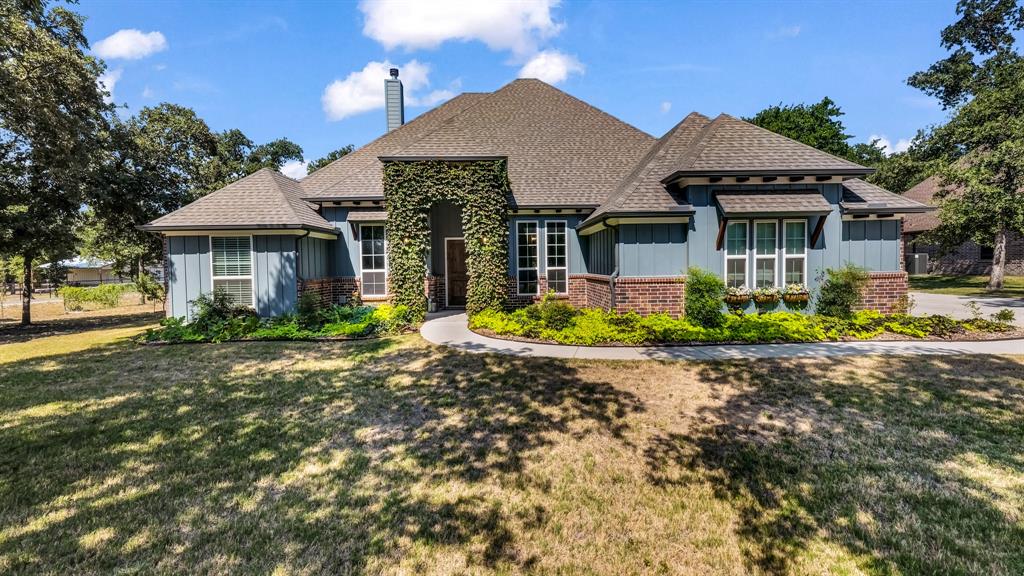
452	330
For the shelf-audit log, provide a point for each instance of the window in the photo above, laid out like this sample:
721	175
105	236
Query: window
795	252
232	267
736	254
766	239
526	257
557	259
373	253
986	252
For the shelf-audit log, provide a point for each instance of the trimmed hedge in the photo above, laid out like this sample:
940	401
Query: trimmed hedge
103	296
593	326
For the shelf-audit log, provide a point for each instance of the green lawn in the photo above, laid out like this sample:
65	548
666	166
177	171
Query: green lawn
394	456
966	285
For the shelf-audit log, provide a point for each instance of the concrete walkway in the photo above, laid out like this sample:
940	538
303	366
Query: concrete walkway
956	306
451	330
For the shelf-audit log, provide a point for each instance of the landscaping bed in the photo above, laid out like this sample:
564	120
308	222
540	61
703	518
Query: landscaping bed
217	319
590	327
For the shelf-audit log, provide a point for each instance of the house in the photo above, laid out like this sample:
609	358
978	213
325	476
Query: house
89	272
967	258
599	212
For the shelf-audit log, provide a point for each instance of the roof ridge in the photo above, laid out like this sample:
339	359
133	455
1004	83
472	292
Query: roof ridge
649	161
581	101
699	142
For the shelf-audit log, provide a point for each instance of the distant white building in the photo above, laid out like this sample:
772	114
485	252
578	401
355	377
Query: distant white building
89	272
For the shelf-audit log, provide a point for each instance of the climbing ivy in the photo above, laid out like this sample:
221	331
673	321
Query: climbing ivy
481	189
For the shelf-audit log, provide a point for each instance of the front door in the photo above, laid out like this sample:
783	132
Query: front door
456	278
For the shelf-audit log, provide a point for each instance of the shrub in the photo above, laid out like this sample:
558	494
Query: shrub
104	295
1004	316
841	291
704	293
555	314
150	288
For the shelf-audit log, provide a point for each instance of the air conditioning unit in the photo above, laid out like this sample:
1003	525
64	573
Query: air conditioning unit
917	264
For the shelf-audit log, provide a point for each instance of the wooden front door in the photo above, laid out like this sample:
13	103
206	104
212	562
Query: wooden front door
456	278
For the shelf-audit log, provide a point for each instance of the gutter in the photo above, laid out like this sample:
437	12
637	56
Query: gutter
298	256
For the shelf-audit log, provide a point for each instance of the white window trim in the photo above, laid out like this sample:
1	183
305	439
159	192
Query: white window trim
364	270
774	257
786	256
536	225
744	257
252	265
565	233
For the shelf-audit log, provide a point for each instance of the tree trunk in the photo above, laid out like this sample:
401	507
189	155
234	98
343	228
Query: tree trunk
138	275
26	292
995	280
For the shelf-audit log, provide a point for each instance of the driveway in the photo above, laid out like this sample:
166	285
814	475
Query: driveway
953	305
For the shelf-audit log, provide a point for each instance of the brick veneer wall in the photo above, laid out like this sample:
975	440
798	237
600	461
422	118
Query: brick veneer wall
590	291
651	295
966	258
886	292
167	277
435	289
330	290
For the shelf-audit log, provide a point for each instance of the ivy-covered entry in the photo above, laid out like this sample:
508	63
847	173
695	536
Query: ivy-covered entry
481	189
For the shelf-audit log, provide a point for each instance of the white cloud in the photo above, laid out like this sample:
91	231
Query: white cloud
363	90
551	66
130	44
902	145
148	93
294	169
665	107
501	25
107	81
785	32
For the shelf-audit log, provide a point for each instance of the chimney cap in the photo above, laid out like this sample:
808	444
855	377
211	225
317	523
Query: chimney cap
394	73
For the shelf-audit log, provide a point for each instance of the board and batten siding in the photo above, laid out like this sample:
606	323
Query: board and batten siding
652	250
872	244
188	273
344	252
314	258
600	251
273	273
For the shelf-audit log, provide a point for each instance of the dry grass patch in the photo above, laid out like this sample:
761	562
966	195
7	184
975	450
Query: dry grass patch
393	456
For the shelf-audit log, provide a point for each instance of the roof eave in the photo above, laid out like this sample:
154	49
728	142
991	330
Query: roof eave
686	211
679	174
851	208
215	227
428	158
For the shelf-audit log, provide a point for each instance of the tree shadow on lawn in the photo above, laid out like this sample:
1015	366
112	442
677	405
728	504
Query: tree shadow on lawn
11	332
336	458
914	465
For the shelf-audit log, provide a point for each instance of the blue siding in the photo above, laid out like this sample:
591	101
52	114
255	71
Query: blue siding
188	272
652	249
314	258
872	244
600	250
274	274
344	252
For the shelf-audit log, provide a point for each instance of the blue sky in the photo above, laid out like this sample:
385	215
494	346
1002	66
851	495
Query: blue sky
313	72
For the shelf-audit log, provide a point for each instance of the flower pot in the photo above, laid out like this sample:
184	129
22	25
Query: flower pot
766	299
737	301
796	298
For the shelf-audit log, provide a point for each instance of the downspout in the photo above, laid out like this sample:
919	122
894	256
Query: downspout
615	267
298	259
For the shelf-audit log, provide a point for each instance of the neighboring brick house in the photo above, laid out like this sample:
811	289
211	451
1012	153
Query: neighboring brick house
968	258
601	213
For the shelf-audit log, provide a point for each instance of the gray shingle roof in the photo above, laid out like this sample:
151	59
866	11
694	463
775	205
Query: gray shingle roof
772	203
560	150
358	174
861	196
263	199
367	216
731	146
924	193
641	190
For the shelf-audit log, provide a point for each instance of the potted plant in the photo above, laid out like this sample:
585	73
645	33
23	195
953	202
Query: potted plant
737	296
766	298
796	294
